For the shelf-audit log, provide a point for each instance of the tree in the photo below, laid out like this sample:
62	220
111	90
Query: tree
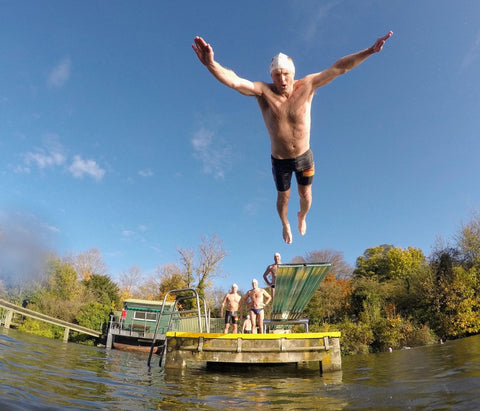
455	302
373	263
331	301
468	243
340	268
387	262
94	316
130	282
63	295
89	263
167	277
104	290
206	266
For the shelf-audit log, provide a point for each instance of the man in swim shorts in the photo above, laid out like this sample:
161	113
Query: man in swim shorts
255	300
270	273
232	302
286	105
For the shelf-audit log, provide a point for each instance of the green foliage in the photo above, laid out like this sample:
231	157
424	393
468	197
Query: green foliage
468	242
94	315
104	290
330	302
63	281
356	337
41	328
387	262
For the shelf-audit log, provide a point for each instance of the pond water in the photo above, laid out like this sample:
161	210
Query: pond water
38	373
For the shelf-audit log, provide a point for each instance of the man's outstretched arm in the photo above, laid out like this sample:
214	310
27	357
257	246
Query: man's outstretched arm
226	76
347	63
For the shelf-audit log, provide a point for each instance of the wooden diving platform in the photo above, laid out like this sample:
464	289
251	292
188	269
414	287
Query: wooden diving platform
186	350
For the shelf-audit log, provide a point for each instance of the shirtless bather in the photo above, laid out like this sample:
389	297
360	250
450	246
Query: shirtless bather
285	105
233	303
254	299
270	273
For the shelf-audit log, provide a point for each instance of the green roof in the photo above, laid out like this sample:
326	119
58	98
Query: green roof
146	305
295	285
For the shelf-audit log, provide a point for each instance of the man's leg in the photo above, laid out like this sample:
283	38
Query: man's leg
282	209
305	194
260	321
226	328
253	316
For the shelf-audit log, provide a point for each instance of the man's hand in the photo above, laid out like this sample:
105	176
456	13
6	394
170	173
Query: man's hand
379	43
203	50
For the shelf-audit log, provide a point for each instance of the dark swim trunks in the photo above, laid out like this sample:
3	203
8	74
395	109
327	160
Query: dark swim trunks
231	317
256	310
303	166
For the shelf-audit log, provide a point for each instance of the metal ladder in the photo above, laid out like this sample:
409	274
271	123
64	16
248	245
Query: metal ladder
175	312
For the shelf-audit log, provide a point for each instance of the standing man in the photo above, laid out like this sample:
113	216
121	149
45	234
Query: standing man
285	105
254	298
270	273
232	302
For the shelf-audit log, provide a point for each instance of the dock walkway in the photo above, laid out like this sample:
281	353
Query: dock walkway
13	308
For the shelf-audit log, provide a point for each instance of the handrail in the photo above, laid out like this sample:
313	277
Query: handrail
174	311
43	317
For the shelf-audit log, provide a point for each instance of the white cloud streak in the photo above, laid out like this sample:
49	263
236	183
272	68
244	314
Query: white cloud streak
473	53
214	155
313	18
81	167
146	173
44	159
60	74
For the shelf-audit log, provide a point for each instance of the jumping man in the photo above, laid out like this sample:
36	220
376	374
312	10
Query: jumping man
285	105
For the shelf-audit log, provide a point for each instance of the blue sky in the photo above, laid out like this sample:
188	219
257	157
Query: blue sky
113	135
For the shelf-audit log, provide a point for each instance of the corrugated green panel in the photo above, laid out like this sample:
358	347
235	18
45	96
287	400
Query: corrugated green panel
295	285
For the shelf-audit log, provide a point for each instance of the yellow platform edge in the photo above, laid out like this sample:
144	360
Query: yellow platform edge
332	334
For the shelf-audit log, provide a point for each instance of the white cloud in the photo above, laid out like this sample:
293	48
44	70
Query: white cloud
312	18
44	159
473	53
146	173
81	167
60	74
213	154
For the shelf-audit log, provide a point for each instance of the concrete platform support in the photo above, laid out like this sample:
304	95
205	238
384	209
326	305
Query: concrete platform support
184	349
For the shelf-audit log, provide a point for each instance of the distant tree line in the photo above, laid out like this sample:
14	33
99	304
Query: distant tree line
397	297
79	290
393	297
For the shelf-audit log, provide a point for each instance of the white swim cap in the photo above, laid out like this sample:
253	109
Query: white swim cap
282	61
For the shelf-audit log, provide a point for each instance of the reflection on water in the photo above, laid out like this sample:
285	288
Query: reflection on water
37	373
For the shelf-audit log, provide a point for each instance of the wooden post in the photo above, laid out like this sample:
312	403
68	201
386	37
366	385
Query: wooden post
65	334
8	318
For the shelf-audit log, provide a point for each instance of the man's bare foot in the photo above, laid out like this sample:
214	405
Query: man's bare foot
287	234
302	224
